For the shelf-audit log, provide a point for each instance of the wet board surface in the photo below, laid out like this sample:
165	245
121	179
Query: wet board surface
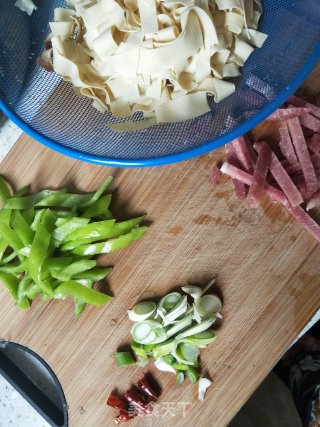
268	274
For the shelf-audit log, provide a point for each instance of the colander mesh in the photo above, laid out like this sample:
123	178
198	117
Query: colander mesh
51	107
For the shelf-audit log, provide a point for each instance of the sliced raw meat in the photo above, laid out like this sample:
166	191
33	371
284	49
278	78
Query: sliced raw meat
300	145
313	143
260	175
314	201
298	102
240	175
245	158
283	179
310	122
239	186
288	113
285	143
305	219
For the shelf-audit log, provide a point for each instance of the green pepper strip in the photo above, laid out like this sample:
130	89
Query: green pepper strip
22	299
28	215
5	192
22	228
96	274
10	282
56	263
26	202
73	269
60	198
15	268
37	219
10	236
76	290
104	230
97	230
38	254
100	207
111	245
70	224
79	304
23	191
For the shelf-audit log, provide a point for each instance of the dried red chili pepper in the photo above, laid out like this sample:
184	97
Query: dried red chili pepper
117	403
147	389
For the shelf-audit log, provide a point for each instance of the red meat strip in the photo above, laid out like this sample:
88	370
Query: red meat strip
302	152
241	149
305	219
239	186
260	175
310	122
313	143
283	179
314	201
288	113
298	102
240	175
285	143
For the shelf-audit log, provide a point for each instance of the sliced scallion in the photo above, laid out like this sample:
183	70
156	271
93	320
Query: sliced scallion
124	358
180	377
142	311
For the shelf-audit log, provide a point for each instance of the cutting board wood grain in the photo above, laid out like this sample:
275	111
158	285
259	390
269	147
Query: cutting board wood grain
268	275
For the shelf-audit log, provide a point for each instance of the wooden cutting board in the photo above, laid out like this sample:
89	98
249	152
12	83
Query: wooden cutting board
268	274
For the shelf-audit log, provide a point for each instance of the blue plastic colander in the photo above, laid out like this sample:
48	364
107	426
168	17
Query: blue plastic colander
48	110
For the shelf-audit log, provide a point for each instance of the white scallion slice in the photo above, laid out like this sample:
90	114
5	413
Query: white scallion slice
162	349
194	291
169	301
204	383
142	311
163	366
202	339
148	332
208	305
179	326
180	350
176	312
189	352
196	314
203	326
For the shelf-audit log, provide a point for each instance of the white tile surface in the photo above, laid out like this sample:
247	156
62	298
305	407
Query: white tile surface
15	411
9	134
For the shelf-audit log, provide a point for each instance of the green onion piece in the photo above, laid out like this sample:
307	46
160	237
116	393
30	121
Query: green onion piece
184	352
208	305
148	332
179	326
124	358
180	308
169	301
180	366
202	338
203	326
168	358
162	349
180	377
138	349
193	375
142	311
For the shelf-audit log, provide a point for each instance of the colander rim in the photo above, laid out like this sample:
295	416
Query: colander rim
188	154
